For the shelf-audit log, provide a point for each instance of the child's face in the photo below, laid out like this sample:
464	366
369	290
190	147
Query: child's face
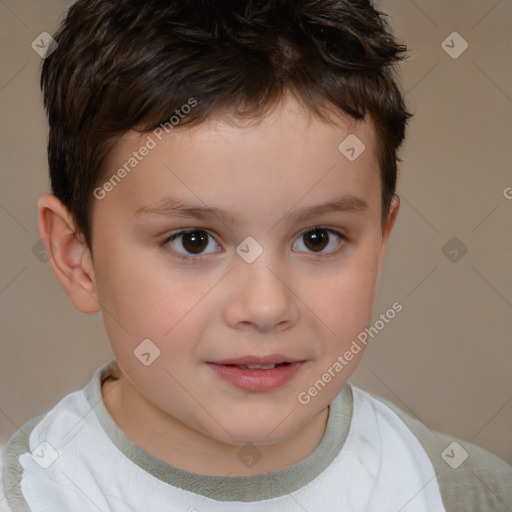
291	303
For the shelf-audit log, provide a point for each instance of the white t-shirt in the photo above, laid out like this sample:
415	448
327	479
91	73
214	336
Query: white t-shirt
77	459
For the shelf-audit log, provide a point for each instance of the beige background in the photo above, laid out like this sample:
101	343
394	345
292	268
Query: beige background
446	358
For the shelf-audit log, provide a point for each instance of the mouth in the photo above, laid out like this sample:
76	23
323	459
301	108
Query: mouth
259	367
252	373
258	361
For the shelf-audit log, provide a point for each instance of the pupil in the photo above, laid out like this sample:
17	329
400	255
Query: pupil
195	241
319	237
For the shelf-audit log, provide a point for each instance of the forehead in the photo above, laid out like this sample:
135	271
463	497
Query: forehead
284	157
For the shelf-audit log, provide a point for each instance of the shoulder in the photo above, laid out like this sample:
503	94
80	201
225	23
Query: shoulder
56	428
470	478
11	470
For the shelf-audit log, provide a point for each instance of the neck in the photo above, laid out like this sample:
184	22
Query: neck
173	442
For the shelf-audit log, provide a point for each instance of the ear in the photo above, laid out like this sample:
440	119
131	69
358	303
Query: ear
69	256
386	232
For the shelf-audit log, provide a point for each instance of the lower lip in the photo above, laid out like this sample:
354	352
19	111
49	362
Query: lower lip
257	380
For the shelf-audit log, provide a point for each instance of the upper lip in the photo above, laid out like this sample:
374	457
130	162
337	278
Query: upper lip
258	360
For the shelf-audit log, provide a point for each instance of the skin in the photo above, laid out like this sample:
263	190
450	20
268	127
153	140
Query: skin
292	300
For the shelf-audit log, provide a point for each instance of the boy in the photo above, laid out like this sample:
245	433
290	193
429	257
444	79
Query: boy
267	131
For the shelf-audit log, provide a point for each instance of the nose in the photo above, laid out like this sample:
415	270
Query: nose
261	298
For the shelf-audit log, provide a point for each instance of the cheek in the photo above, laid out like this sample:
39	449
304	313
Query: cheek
344	308
140	302
345	299
132	301
130	285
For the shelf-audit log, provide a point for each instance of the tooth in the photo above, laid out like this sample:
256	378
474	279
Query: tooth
258	367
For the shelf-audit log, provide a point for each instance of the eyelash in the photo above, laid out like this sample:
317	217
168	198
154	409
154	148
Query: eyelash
196	259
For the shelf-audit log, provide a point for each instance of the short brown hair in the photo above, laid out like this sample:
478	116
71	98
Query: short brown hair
129	64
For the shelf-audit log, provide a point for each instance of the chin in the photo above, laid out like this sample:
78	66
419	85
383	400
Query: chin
258	428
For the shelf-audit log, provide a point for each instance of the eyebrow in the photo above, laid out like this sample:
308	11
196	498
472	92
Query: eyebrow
174	207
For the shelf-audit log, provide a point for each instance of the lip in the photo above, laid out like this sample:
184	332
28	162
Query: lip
256	380
258	360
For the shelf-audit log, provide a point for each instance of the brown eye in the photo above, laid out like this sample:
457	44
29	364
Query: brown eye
193	241
317	239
